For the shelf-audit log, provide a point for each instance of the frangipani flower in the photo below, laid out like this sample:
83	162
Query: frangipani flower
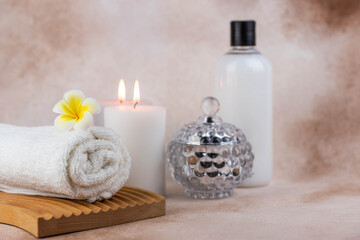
76	111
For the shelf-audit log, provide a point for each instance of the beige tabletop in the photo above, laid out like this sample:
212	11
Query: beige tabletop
324	208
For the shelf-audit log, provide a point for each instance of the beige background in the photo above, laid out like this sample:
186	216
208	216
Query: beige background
49	47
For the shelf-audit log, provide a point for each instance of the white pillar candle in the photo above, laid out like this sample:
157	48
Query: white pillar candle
142	130
99	118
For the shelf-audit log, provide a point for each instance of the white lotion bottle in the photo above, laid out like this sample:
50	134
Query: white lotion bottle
244	89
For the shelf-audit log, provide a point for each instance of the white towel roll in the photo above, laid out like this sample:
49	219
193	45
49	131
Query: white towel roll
89	165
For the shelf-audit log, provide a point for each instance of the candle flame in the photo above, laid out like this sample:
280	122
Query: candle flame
122	91
136	92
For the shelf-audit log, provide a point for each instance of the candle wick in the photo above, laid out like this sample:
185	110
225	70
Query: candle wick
135	104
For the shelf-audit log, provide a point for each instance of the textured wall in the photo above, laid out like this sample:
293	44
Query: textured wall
48	47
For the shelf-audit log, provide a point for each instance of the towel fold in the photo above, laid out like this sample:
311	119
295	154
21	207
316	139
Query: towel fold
90	165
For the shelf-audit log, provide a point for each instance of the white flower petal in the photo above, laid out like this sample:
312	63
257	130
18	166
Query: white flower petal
84	121
91	105
73	99
64	122
62	108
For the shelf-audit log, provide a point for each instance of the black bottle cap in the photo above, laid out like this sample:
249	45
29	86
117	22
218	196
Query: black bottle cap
242	33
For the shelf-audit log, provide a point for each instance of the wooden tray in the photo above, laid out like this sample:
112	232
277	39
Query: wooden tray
47	216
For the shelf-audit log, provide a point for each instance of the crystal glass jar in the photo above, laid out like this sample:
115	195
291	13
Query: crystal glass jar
209	157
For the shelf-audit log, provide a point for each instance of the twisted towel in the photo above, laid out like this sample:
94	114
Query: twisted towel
90	165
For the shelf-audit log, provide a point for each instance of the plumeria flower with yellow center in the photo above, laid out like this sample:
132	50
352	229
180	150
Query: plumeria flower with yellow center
76	111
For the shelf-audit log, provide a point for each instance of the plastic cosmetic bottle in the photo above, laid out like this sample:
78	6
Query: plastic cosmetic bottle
244	89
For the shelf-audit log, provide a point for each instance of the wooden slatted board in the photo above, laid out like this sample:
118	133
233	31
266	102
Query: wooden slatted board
47	216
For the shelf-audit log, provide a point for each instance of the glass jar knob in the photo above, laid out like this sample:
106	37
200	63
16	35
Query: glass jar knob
210	106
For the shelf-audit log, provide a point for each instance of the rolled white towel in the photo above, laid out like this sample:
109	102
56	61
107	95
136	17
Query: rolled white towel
90	165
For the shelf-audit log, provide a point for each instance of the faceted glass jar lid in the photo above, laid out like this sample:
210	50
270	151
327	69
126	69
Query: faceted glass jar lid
209	129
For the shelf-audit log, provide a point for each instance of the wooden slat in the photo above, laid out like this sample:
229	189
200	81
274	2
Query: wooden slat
47	216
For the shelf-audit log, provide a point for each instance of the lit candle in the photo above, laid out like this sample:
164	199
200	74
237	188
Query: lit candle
122	91
99	118
142	129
